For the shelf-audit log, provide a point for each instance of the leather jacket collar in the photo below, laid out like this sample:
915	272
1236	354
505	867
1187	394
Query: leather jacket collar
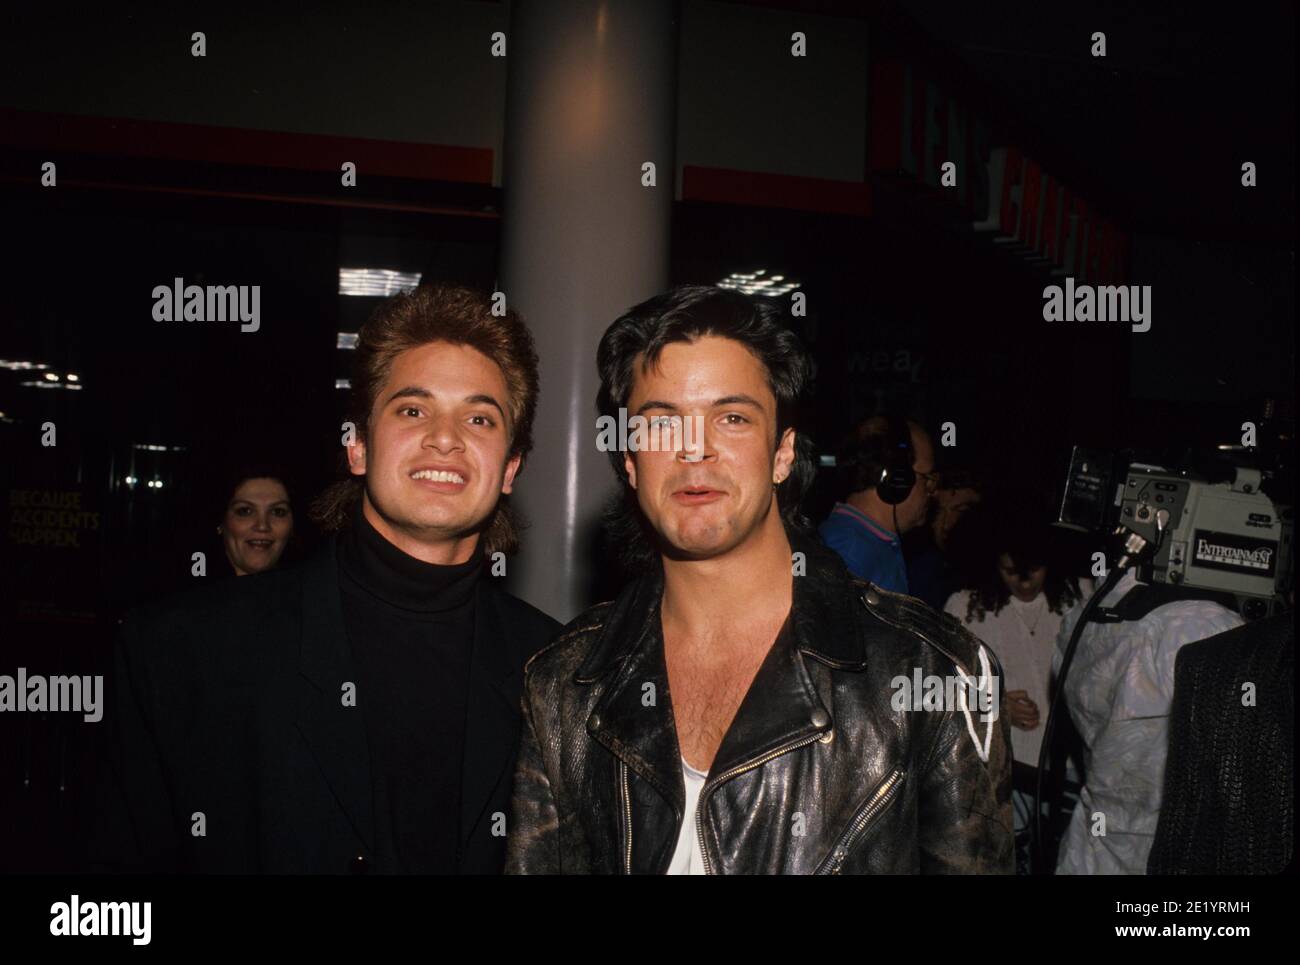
783	708
822	614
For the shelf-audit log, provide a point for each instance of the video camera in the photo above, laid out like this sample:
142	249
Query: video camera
1219	529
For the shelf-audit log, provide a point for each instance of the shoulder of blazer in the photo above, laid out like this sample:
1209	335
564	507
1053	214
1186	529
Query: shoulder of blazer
224	609
530	627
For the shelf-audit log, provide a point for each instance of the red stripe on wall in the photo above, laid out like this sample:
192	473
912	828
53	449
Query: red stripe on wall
775	190
233	145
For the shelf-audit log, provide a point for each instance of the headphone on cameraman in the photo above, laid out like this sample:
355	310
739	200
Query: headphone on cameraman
886	460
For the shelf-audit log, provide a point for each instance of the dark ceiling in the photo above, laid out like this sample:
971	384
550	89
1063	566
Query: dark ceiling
1185	94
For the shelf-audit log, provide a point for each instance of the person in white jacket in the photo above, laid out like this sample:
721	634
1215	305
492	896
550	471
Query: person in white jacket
1119	691
1017	609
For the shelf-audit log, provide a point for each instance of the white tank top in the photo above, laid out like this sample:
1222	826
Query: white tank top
687	859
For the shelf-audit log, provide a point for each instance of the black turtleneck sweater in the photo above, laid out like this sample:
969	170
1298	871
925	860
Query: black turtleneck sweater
411	629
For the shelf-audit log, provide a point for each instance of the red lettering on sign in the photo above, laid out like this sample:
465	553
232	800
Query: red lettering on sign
1080	237
1093	263
1048	243
1029	192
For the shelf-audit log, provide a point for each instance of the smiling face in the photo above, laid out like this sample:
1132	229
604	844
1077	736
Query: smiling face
437	453
706	500
257	525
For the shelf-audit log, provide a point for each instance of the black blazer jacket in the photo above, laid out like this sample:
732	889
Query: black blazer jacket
229	748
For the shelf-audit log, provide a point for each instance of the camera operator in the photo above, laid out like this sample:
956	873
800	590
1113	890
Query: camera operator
1119	691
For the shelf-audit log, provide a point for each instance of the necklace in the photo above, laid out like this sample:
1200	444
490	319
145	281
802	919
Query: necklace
1020	616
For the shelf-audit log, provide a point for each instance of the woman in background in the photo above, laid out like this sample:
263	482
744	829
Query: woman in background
257	521
1016	608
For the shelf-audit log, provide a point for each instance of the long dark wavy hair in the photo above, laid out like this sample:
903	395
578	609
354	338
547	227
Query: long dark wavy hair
684	314
1029	545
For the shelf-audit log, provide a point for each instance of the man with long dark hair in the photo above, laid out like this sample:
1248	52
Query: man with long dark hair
732	711
362	711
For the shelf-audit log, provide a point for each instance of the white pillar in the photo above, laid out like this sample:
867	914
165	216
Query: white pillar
590	99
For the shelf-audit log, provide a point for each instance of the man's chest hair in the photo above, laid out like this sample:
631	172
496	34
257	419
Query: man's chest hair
707	685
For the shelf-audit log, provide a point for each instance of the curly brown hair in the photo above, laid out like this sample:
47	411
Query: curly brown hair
438	313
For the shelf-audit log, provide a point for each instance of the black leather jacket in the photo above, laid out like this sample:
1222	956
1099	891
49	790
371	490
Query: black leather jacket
818	772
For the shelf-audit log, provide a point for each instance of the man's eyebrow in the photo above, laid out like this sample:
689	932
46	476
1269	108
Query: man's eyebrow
412	390
738	400
656	404
725	400
486	400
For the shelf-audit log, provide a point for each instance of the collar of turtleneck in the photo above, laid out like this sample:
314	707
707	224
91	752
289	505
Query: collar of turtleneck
385	572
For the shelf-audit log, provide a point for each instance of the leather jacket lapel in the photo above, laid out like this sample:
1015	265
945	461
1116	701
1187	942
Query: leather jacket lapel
782	709
825	614
633	720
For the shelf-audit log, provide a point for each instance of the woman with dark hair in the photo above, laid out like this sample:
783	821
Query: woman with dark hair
1016	608
1022	592
257	521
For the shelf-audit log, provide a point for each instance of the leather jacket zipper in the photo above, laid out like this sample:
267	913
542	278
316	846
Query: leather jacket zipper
626	796
861	824
713	783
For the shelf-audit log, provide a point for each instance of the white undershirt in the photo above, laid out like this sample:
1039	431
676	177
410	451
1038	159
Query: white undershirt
687	858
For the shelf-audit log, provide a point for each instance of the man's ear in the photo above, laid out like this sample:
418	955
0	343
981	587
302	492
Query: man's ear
784	462
513	465
357	458
629	466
